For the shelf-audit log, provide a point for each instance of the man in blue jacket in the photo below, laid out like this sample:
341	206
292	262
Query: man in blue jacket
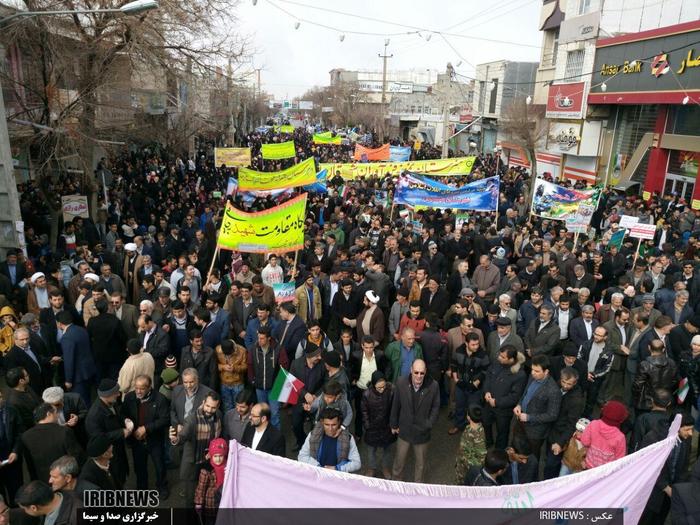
78	362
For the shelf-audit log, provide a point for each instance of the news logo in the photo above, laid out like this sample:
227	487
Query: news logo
121	498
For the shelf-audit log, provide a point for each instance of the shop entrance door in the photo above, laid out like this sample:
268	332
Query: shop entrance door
683	186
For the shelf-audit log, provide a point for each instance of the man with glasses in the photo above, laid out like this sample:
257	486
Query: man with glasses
414	412
126	313
260	434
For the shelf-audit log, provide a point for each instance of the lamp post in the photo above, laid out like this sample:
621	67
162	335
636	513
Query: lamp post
10	218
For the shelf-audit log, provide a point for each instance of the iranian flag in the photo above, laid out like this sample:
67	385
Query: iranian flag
682	391
286	388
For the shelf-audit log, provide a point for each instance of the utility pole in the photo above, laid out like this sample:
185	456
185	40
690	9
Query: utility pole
384	57
258	73
445	133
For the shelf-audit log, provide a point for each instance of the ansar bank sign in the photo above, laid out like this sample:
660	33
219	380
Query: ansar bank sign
566	101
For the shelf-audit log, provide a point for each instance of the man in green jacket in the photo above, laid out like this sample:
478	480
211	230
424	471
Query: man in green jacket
402	353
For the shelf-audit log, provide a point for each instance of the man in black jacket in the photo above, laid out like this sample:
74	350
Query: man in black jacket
503	387
433	298
659	503
47	441
11	472
202	358
38	500
104	419
24	356
47	318
149	412
414	412
310	370
260	434
572	402
108	340
539	407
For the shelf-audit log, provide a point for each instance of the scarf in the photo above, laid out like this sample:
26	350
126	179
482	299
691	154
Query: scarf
208	428
218	446
317	341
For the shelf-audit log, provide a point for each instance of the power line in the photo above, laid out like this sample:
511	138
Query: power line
415	29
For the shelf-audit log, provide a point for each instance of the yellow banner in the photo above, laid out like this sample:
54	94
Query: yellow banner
298	175
326	138
457	166
232	156
279	229
278	151
284	128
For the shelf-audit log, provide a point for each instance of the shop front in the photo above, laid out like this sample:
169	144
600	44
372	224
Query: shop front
650	83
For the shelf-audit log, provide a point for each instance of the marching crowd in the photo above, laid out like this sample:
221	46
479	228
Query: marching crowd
548	353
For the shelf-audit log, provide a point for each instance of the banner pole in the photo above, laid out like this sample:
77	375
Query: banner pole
636	253
576	240
213	260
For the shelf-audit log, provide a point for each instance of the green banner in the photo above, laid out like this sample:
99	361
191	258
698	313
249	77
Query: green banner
274	151
298	175
326	138
284	128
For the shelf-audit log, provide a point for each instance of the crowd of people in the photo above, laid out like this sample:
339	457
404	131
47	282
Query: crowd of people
548	353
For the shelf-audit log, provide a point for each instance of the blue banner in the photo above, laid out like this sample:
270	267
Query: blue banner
320	185
481	195
399	153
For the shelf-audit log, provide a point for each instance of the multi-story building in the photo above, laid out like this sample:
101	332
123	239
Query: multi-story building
593	136
497	85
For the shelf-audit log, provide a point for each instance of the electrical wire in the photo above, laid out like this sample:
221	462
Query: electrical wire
415	29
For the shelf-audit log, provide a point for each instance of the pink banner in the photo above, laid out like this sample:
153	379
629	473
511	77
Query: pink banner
625	483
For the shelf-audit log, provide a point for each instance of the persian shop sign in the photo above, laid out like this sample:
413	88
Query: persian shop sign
618	64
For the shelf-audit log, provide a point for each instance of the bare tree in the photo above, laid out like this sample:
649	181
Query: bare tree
527	126
79	70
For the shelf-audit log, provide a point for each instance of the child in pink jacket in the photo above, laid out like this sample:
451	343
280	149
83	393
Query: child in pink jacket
603	438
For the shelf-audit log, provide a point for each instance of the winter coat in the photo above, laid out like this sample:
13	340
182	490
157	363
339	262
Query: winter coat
376	409
605	443
506	385
657	371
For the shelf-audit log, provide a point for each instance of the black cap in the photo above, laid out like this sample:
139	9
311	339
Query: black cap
98	445
503	321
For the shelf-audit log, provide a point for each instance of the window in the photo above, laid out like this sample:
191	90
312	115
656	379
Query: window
584	6
574	65
555	47
493	95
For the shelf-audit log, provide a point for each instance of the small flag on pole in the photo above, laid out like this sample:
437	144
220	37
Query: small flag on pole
683	389
286	388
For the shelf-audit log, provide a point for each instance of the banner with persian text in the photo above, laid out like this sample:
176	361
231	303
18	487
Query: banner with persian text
298	175
480	195
434	167
278	151
552	201
399	153
232	156
279	229
622	484
364	154
327	138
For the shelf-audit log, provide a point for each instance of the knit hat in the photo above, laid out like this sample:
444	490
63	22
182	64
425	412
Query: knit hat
377	376
170	362
613	413
98	445
648	298
108	387
582	423
169	375
466	291
332	359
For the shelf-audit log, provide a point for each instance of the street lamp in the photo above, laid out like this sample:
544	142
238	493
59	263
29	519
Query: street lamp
130	8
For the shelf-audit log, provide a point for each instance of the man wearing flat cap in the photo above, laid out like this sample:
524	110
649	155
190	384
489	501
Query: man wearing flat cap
104	419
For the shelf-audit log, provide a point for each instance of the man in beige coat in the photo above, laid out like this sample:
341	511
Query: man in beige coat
138	363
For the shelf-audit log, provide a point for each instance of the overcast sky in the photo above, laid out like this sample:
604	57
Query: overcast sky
295	60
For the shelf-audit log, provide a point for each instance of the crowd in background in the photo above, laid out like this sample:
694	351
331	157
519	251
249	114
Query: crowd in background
548	353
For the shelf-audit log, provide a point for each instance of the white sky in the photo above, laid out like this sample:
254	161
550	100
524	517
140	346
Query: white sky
296	60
